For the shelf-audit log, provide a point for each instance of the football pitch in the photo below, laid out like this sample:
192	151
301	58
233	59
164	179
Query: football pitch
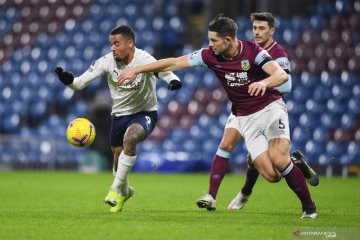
68	205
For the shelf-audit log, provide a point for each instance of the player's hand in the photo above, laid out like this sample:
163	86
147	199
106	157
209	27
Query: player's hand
257	88
65	77
174	85
126	76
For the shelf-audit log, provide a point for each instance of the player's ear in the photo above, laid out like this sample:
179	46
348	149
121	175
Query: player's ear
228	39
131	42
272	31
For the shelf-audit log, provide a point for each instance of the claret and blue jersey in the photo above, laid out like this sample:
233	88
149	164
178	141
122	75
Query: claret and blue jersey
237	74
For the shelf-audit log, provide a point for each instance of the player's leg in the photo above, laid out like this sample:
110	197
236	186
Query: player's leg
139	126
112	195
278	133
133	135
257	146
219	167
220	163
118	128
119	190
279	153
116	152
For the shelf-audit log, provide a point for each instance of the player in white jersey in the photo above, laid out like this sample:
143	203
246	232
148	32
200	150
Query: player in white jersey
134	111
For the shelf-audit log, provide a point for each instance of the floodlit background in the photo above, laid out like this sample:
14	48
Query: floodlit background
322	39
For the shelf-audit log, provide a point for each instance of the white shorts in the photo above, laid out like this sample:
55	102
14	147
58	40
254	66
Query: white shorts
232	122
261	127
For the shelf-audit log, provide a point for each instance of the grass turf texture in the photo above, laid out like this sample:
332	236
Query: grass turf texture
68	205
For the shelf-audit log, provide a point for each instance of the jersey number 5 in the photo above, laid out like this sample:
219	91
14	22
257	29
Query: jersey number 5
281	124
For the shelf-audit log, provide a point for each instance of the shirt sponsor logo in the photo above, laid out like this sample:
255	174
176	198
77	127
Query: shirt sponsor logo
237	79
245	65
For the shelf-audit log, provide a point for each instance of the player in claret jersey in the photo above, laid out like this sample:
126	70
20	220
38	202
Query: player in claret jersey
249	77
263	29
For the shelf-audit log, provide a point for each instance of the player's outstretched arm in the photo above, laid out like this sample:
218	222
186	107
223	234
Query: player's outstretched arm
78	83
163	65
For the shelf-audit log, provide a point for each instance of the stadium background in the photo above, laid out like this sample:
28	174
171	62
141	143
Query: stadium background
321	37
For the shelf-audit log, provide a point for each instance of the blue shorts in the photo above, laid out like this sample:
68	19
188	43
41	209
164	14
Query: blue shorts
119	125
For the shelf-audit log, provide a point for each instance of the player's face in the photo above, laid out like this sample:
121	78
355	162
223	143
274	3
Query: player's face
120	46
262	32
219	45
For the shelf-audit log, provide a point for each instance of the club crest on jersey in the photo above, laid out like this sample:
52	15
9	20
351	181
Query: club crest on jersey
245	65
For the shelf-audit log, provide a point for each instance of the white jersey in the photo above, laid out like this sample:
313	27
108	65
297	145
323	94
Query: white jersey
139	95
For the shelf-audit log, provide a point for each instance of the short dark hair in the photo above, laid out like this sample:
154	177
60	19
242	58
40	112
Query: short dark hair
124	30
263	16
223	26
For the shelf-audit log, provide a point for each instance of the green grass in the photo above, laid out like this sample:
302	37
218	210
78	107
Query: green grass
68	205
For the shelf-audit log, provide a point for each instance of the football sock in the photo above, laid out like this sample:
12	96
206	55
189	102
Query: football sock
296	181
121	183
251	177
296	162
219	167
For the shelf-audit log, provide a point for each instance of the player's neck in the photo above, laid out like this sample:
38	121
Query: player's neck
267	43
233	50
129	57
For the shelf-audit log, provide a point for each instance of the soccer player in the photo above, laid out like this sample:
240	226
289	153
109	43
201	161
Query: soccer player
249	77
263	30
134	110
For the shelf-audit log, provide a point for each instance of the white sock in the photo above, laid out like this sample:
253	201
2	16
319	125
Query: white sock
121	182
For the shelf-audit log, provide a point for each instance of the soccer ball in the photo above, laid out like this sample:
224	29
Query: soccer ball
80	132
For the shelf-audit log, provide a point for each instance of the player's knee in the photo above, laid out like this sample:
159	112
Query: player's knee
280	159
275	179
270	176
129	140
281	162
272	179
279	153
133	135
227	146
